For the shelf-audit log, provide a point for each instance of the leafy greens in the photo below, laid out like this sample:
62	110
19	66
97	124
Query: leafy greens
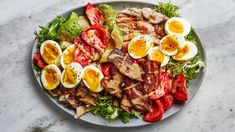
191	67
105	108
49	32
168	9
62	29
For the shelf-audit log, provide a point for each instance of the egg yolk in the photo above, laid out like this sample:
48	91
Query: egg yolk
70	76
157	55
51	77
92	79
50	53
169	44
176	27
182	52
139	48
69	57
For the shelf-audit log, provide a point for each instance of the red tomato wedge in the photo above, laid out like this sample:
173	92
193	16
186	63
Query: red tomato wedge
41	63
179	89
156	113
94	15
95	36
37	59
167	101
106	69
83	52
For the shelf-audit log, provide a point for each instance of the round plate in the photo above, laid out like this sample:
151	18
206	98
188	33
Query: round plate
194	85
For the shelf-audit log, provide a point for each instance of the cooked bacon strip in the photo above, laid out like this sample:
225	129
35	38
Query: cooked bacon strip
125	65
151	75
112	85
135	93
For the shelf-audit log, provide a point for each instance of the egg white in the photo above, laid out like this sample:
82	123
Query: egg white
43	78
178	38
149	45
192	52
66	51
77	68
101	76
56	61
165	60
184	22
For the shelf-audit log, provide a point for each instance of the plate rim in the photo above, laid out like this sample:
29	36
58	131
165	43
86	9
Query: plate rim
122	125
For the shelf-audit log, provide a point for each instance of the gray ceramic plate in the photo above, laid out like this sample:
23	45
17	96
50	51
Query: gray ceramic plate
193	85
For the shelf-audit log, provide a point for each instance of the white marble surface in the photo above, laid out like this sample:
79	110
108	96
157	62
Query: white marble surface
23	107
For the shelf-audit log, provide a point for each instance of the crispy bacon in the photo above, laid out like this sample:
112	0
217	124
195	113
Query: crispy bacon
135	93
151	75
125	65
112	85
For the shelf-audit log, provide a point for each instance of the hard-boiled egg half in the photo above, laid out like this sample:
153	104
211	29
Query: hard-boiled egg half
50	76
139	46
188	51
156	54
51	52
178	26
92	77
71	75
67	56
170	44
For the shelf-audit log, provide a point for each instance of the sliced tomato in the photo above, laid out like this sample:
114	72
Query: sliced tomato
179	89
157	112
38	60
94	15
167	101
83	52
41	64
96	37
124	49
106	69
36	57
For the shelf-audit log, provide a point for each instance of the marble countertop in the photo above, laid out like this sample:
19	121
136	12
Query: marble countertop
24	107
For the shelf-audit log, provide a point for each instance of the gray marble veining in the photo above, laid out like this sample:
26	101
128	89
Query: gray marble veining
24	107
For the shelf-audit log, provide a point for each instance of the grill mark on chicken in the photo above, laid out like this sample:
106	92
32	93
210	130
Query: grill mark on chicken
77	98
125	103
152	16
133	12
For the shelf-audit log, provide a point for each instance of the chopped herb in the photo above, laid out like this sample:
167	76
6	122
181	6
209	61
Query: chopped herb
37	69
108	111
191	36
49	32
168	9
189	68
